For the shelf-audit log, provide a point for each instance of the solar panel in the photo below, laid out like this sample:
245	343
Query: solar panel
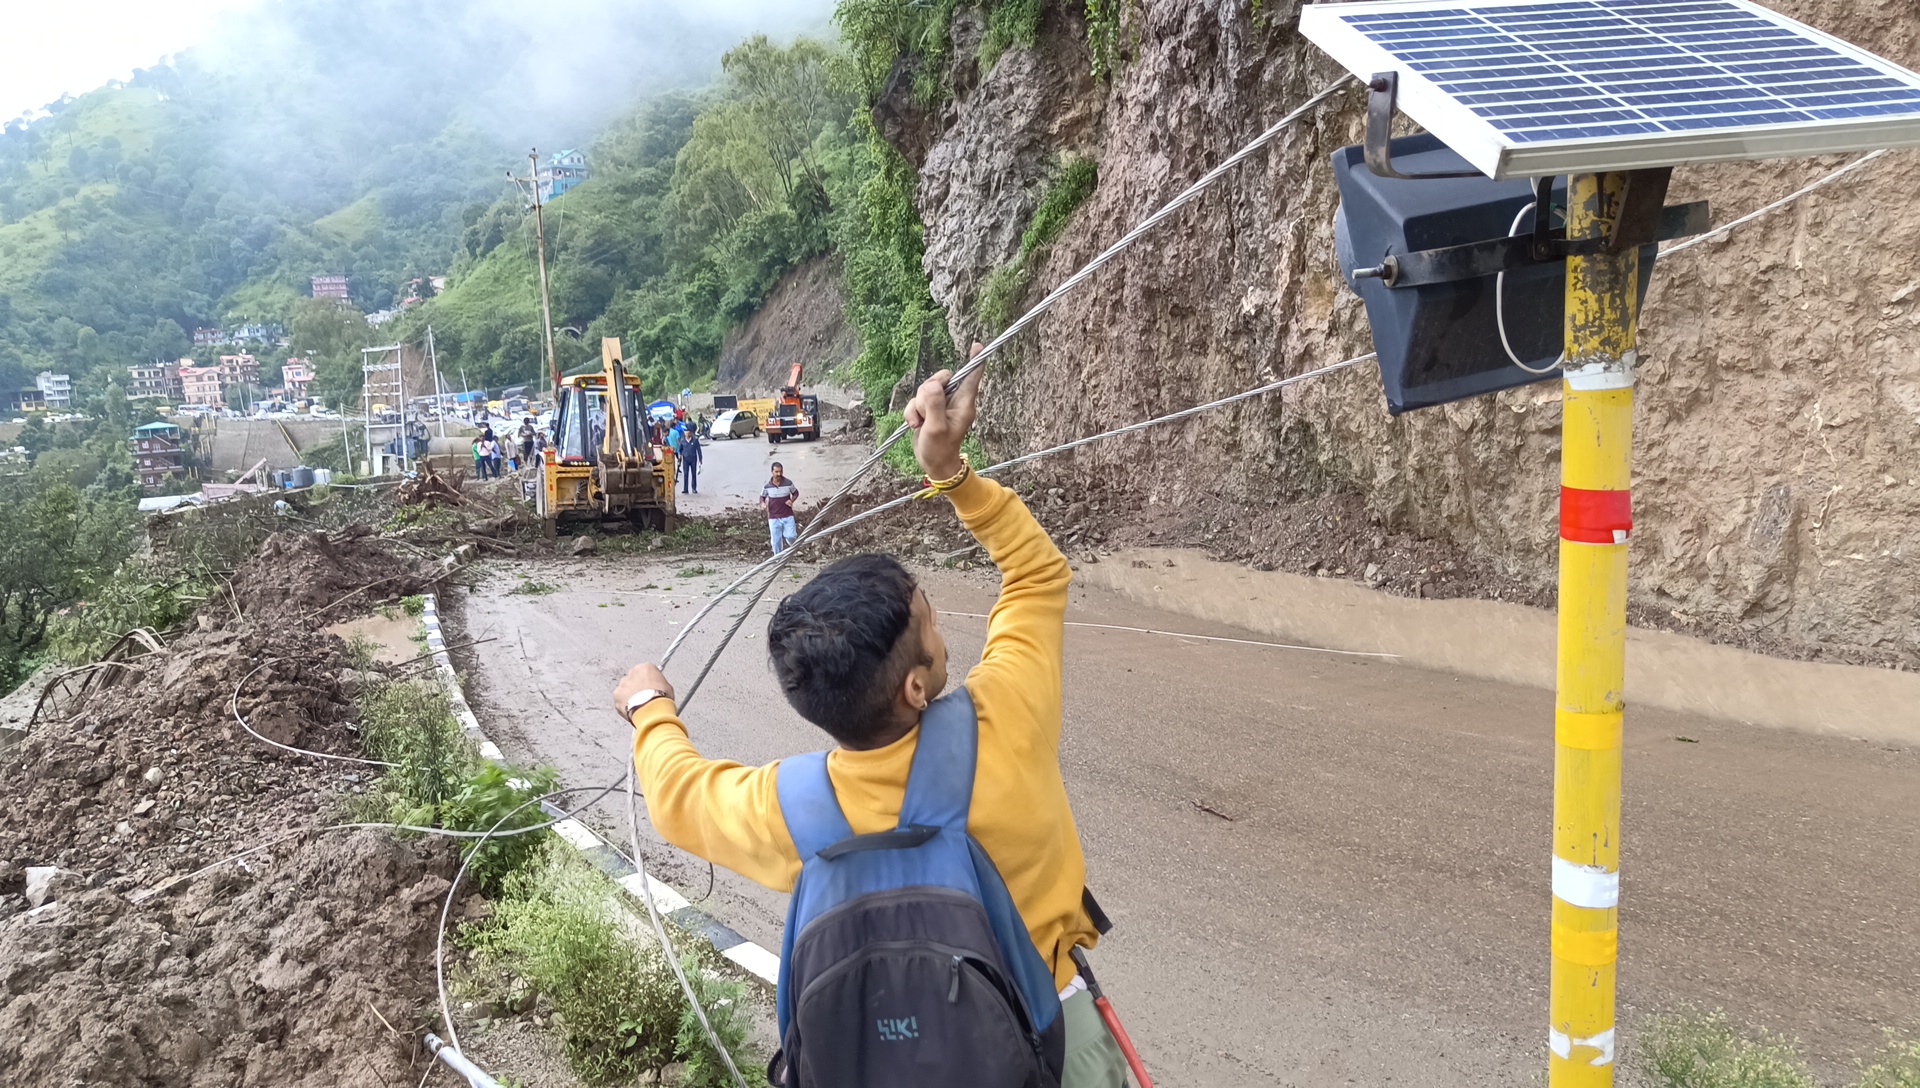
1527	88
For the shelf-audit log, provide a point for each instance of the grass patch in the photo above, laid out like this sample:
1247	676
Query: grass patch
693	534
1071	186
439	780
558	927
415	605
696	571
1898	1066
1012	22
533	587
1705	1050
411	725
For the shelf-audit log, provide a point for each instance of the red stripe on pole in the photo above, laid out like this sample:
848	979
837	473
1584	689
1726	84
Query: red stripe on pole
1595	517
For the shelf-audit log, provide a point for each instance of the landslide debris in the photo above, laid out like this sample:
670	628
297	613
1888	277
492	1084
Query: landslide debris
267	975
265	971
304	577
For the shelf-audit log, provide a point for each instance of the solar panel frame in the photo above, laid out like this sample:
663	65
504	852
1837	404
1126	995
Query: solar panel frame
1670	93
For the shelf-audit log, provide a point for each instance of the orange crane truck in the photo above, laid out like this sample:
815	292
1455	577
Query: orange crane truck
794	415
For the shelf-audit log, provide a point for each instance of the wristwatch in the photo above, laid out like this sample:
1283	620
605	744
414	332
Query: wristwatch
642	698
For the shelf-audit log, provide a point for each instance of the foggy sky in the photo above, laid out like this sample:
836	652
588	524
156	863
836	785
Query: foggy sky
73	46
550	72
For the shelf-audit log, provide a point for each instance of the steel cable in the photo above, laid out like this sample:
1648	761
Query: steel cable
1776	205
1187	196
818	526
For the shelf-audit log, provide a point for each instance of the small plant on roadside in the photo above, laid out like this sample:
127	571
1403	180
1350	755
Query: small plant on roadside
362	652
726	1003
1703	1050
482	802
533	588
411	725
619	1006
1898	1066
415	605
696	571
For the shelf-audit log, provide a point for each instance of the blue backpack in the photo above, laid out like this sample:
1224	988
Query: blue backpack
905	961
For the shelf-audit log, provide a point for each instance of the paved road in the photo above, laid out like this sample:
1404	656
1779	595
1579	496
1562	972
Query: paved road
1326	869
733	470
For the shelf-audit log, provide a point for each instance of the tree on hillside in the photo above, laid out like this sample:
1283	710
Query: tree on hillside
331	333
757	146
786	101
167	342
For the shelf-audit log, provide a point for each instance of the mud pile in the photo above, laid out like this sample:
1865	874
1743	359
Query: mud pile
262	971
267	975
298	579
156	777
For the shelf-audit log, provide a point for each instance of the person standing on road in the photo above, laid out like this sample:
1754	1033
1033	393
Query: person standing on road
858	652
480	461
778	496
690	457
526	442
491	447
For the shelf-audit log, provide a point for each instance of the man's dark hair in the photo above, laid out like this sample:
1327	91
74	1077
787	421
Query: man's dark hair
778	465
844	642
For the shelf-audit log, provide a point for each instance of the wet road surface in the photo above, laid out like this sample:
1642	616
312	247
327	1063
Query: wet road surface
1323	869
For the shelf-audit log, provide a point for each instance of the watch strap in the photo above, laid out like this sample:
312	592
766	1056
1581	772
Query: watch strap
642	698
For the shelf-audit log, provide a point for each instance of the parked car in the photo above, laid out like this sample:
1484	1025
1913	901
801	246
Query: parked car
734	424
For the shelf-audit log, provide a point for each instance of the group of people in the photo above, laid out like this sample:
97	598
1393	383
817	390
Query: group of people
492	456
682	436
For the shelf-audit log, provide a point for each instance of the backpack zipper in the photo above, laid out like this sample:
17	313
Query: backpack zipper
953	991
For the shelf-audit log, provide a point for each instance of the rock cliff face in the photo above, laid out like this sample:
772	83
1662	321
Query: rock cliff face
804	320
1777	480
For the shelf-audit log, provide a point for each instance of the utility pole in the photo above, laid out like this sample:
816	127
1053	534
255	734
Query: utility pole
439	405
532	181
1595	521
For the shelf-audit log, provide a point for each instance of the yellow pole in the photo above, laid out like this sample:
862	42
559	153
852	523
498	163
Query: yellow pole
1595	518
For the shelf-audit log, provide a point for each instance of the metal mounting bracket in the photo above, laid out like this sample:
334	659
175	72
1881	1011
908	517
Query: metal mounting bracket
1544	246
1383	92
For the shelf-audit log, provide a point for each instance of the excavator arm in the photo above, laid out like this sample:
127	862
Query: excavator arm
793	379
625	442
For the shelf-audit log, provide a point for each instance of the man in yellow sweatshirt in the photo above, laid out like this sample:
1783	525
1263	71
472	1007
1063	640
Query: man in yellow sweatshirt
858	652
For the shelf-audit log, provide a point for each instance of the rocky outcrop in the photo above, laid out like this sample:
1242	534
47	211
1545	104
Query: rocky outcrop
804	320
1777	488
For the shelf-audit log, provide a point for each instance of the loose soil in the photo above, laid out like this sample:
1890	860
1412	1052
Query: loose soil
299	578
265	971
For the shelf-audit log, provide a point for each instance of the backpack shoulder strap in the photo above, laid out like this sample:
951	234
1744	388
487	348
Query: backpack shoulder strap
940	783
808	804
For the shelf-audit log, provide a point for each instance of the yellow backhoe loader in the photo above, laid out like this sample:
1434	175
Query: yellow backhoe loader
602	464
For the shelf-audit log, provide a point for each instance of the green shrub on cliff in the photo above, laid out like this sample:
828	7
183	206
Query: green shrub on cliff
1006	287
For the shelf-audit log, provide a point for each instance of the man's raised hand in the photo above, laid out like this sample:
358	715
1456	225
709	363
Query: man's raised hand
941	423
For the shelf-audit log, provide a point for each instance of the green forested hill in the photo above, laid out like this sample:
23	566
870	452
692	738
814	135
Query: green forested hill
358	137
699	202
